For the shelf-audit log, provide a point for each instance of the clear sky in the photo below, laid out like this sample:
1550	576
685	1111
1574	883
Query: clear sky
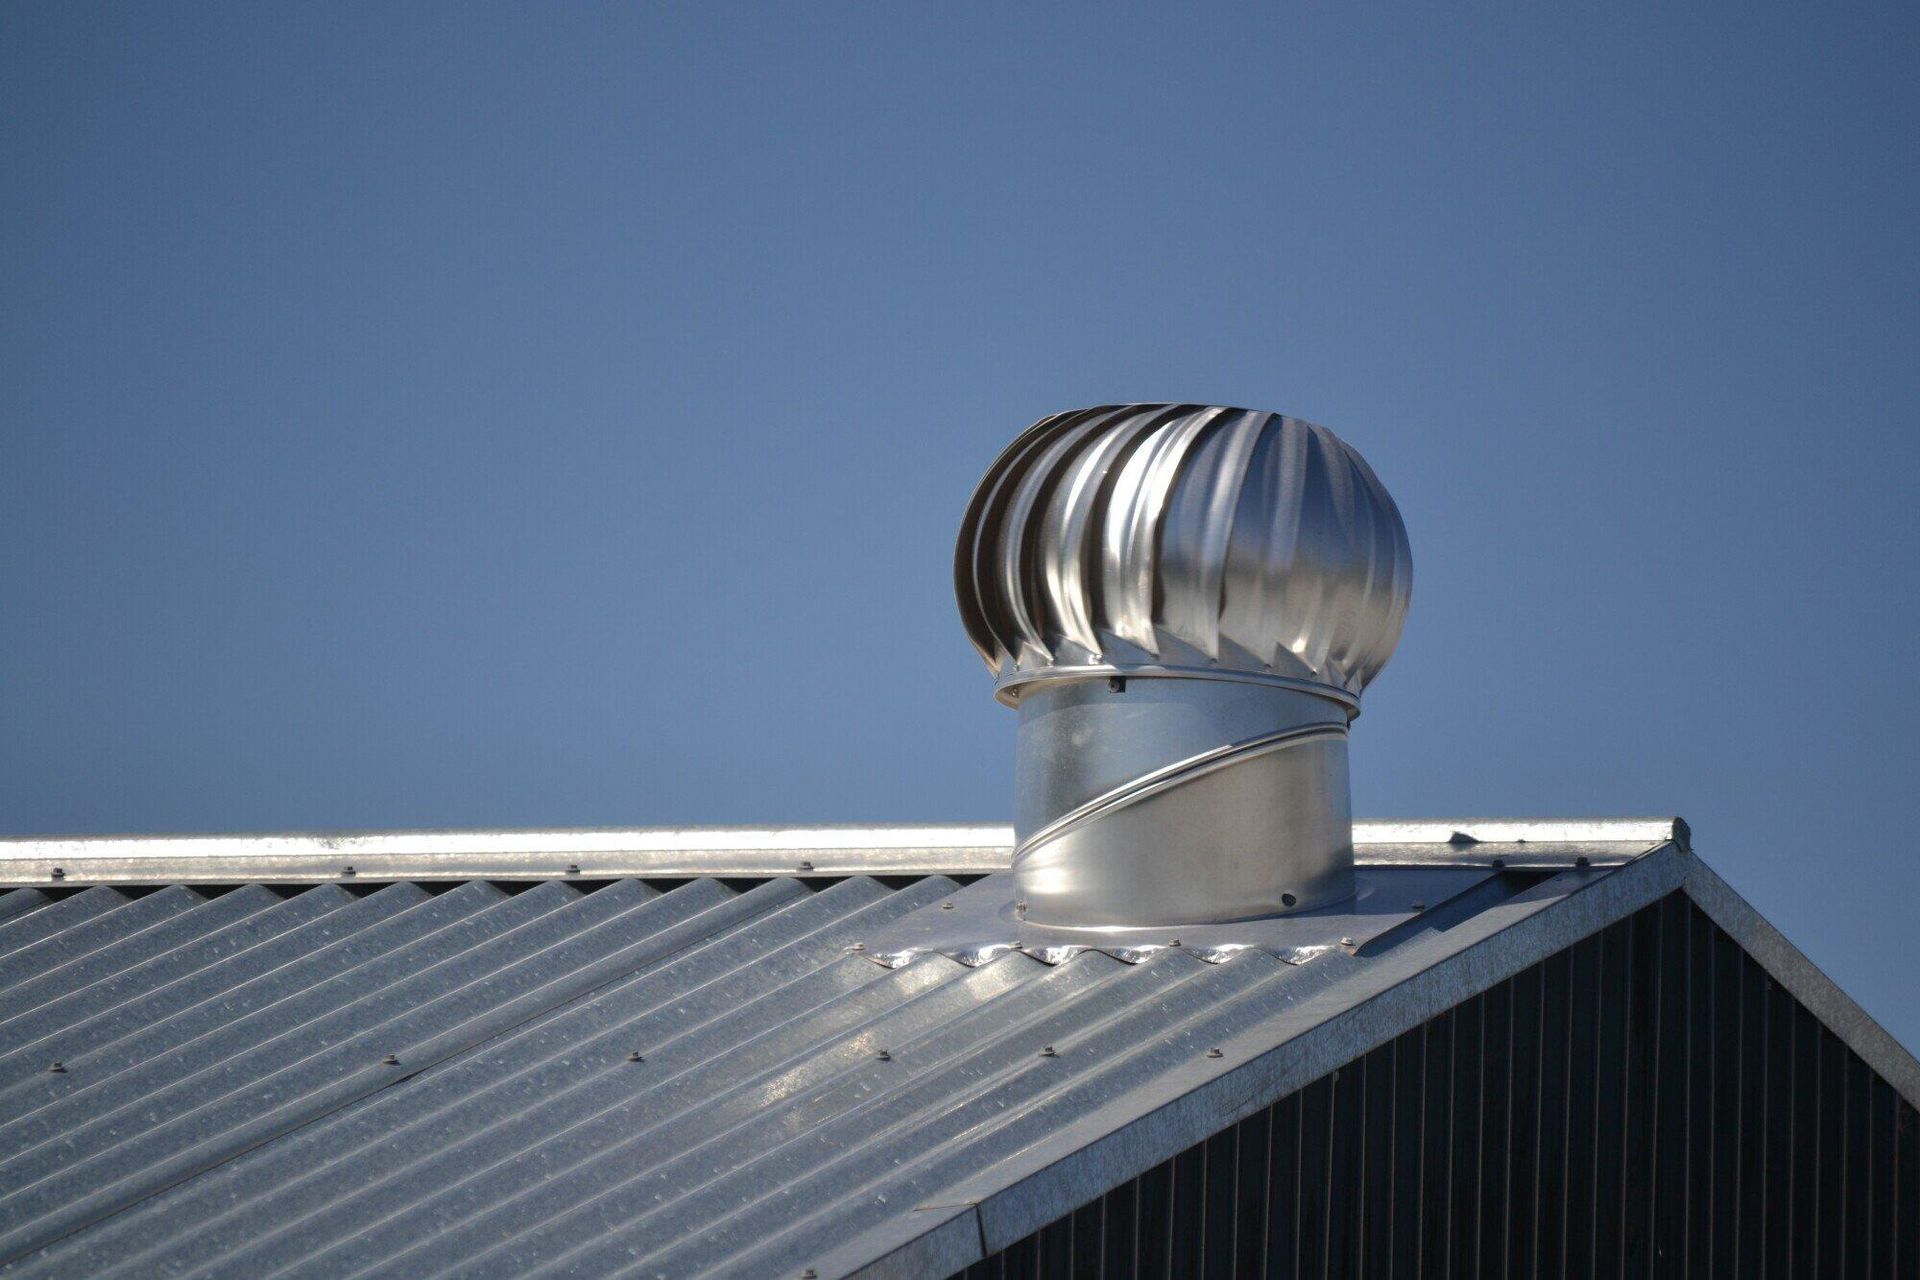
472	415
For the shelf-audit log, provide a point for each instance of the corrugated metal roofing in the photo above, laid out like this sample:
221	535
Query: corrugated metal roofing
636	1078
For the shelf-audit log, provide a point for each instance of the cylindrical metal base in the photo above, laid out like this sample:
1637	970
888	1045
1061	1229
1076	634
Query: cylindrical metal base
1146	802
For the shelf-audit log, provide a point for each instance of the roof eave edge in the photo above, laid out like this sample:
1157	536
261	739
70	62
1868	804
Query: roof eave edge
1804	980
1405	990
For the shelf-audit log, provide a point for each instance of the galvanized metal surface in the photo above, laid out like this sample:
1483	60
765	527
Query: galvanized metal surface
1183	540
325	1082
681	1078
1185	602
660	852
1169	803
586	852
980	923
1648	1101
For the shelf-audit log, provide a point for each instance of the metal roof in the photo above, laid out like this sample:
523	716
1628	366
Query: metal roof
674	1077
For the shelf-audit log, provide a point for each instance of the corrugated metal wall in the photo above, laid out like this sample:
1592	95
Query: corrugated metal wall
1648	1102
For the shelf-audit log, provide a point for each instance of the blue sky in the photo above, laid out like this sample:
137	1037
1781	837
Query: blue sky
474	415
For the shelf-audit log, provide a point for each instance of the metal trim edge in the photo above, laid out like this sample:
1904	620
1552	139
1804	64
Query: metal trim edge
1396	991
1804	980
671	852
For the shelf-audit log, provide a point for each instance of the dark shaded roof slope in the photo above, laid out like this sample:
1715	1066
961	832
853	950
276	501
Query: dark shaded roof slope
675	1077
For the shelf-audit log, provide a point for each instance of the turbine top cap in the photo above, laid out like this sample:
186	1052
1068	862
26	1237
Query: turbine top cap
1183	540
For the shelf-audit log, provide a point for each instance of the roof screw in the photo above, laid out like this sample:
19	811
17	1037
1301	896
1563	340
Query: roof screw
573	868
347	870
59	873
58	1068
1346	942
806	866
884	1056
946	906
635	1057
391	1060
1583	861
856	946
1048	1052
1215	1053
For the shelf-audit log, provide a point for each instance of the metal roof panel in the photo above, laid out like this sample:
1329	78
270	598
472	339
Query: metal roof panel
675	1078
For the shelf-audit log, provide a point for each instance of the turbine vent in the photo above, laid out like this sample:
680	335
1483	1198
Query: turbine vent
1248	542
1185	603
